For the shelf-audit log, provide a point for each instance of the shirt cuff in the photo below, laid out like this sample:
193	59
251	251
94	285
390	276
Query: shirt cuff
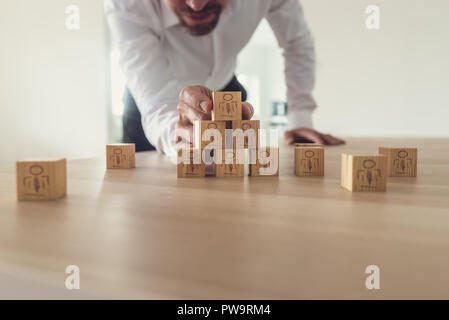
299	119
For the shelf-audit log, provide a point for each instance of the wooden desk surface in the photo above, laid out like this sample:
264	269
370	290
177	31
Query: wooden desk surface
145	234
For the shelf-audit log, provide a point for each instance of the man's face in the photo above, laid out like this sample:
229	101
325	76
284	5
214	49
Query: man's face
199	17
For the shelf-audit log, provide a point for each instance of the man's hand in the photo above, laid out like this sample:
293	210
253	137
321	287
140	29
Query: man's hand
195	103
310	135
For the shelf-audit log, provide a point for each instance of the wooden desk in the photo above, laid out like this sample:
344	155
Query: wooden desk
145	234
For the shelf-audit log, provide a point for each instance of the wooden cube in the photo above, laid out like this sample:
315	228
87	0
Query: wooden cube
402	162
41	180
250	137
190	163
364	172
232	166
199	128
227	106
309	160
210	170
266	164
121	156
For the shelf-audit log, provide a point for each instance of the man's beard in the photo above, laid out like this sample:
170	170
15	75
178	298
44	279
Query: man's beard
205	28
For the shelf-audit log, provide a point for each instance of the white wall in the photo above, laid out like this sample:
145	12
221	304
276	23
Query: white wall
53	81
389	82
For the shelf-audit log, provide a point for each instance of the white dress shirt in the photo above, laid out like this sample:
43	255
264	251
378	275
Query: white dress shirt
159	57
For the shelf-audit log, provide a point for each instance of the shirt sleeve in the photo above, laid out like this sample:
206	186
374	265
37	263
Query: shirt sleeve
286	18
145	68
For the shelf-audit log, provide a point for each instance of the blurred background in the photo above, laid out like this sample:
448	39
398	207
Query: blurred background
61	90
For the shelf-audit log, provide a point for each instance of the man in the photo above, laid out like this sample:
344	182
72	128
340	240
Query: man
174	52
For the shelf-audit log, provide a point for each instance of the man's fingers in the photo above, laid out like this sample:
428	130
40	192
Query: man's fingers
247	111
328	139
198	97
310	135
331	140
289	137
340	141
188	114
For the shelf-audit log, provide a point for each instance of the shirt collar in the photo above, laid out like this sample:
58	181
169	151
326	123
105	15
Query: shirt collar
171	20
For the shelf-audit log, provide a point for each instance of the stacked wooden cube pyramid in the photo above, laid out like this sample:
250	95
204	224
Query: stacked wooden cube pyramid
220	144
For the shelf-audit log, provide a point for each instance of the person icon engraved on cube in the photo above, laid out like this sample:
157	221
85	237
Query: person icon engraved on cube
228	104
246	126
402	164
230	163
368	177
36	182
117	157
212	126
192	167
311	163
210	152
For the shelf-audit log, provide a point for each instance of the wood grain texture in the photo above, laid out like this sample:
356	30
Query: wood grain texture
227	106
364	172
121	156
250	130
145	234
402	162
231	167
309	160
266	164
190	164
200	126
41	180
